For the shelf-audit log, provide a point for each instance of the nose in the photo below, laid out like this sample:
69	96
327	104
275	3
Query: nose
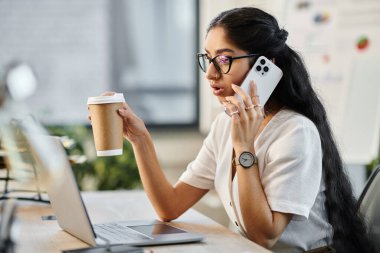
212	73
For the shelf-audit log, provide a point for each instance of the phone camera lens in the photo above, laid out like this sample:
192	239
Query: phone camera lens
262	61
258	68
266	69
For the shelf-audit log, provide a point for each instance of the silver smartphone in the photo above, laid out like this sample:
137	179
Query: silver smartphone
266	76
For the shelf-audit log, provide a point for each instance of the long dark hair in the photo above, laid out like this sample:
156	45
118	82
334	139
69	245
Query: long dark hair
255	31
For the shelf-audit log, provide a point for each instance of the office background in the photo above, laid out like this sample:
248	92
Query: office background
146	49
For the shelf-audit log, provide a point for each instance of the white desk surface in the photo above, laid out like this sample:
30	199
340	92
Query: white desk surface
34	235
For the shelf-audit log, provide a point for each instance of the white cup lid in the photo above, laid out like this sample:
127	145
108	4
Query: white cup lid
116	98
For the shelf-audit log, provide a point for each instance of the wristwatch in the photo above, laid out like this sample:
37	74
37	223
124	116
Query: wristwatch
246	160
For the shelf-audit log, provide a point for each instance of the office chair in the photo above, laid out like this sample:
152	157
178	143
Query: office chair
369	207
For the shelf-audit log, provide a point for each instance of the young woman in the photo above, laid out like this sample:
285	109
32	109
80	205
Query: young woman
276	169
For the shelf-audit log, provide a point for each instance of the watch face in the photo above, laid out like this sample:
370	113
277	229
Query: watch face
246	159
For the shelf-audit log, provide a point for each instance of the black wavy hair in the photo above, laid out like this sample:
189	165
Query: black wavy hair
256	31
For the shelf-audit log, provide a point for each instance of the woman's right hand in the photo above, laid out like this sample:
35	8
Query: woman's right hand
133	127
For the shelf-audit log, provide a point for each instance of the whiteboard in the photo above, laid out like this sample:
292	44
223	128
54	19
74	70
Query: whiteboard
340	43
361	124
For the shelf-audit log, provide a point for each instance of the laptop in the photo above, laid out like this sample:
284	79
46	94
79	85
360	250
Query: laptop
71	213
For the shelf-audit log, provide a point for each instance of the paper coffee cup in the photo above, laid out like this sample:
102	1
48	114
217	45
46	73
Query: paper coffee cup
107	125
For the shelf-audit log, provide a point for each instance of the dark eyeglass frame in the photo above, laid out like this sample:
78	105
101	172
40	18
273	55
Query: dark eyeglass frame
216	65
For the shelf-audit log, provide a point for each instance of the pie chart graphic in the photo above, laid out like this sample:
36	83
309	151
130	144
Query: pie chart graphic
362	43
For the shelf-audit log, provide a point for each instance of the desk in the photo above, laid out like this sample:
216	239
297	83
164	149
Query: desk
34	235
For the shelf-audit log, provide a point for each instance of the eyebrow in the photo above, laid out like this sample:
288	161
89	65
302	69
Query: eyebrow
222	50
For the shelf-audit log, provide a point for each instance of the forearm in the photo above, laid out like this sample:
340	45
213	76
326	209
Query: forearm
257	216
168	201
262	224
160	192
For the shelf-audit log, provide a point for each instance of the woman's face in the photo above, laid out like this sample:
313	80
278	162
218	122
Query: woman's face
217	44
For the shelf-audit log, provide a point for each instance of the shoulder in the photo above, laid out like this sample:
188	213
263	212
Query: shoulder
294	132
287	123
290	119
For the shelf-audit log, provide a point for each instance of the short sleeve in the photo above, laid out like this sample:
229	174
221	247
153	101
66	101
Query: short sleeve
200	173
293	172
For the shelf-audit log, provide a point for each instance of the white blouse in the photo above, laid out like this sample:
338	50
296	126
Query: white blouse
290	165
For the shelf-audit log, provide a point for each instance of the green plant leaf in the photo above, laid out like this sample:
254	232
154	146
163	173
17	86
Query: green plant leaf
107	173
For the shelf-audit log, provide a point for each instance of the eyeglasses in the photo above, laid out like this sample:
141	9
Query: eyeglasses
222	63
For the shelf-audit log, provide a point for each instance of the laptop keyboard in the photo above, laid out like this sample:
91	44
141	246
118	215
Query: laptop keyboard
116	233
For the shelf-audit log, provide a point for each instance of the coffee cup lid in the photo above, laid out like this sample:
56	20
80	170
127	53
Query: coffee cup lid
116	98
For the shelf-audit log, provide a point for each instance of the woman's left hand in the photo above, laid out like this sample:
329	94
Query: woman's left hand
246	116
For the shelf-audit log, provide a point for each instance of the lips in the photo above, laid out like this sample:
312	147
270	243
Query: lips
218	91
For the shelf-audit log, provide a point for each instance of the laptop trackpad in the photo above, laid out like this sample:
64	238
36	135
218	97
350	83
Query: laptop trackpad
154	230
